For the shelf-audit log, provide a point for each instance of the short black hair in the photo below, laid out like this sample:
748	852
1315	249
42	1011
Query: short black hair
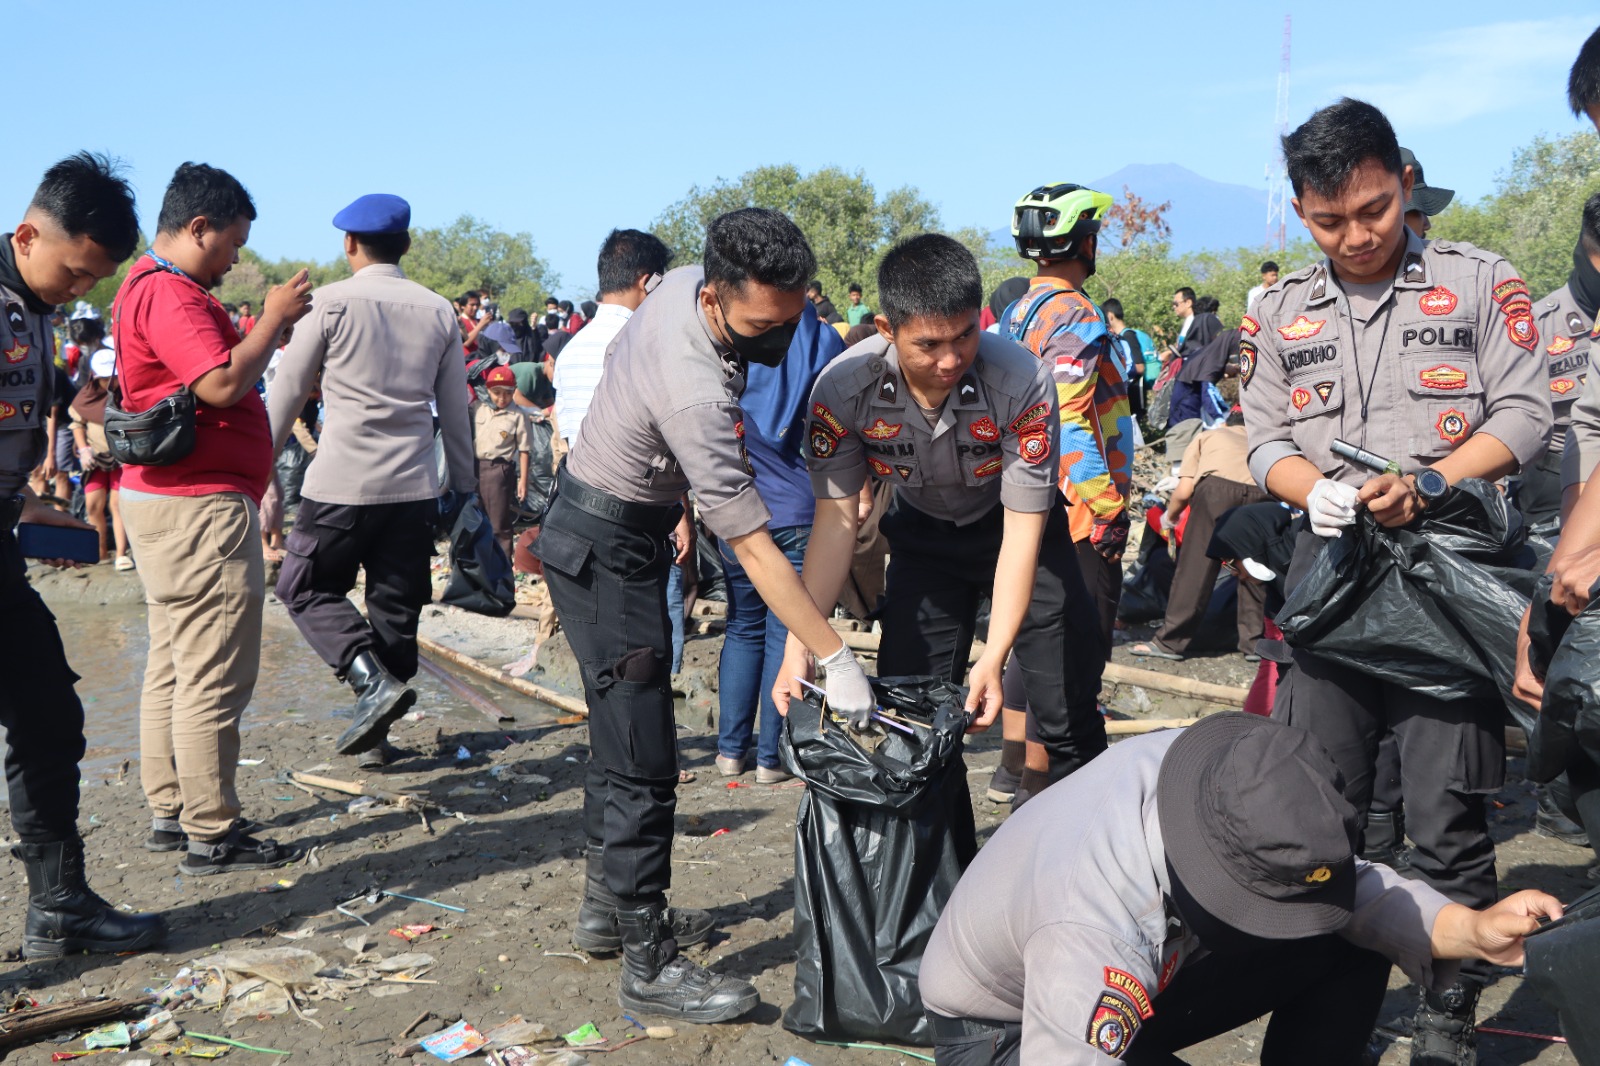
627	255
200	191
566	305
1207	304
1591	223
928	276
87	196
548	300
464	298
1583	83
1326	149
245	303
552	321
757	244
815	285
384	247
232	309
1112	306
1184	291
855	286
86	330
1269	267
589	307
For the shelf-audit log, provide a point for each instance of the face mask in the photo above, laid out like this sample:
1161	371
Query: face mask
767	348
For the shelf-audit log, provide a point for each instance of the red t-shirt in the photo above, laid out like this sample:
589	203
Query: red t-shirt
246	324
171	332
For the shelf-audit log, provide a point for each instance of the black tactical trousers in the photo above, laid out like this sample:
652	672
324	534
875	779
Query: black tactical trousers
39	709
1452	755
940	574
608	583
330	542
1323	993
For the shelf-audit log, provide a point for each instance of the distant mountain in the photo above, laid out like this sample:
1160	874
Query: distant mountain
1204	214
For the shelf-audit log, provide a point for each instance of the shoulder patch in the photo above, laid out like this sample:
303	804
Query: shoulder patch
1247	363
827	418
823	441
1113	1025
1031	415
1250	326
1129	985
1519	322
1509	288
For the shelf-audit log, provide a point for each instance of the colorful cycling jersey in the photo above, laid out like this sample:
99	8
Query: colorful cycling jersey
1064	327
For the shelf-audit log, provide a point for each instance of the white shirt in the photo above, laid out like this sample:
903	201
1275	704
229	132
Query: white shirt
579	365
1251	298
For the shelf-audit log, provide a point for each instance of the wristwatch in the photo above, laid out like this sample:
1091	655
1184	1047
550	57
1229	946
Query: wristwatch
1432	486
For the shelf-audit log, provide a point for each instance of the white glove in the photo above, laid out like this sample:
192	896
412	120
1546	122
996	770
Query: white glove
1331	506
1167	484
849	693
1168	523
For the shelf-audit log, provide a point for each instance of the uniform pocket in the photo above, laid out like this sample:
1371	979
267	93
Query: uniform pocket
294	577
570	573
1448	393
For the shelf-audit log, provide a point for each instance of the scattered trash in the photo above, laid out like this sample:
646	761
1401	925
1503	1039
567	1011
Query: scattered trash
722	832
660	1032
514	1056
516	1031
456	1042
567	955
563	1058
281	885
422	899
737	784
159	1025
585	1035
412	963
411	932
506	774
365	806
298	934
196	1052
113	1035
251	762
792	1061
468	790
462	754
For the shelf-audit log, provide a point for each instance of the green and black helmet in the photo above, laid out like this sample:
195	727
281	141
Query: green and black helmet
1052	220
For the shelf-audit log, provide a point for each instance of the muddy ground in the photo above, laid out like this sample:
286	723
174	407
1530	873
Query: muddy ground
514	862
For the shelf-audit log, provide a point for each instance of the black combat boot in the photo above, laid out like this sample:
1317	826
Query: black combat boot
1385	840
66	917
1551	822
1445	1030
381	698
597	932
658	980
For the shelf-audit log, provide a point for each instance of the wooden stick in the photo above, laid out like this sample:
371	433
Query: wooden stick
482	703
1131	727
1115	673
408	1030
406	800
515	684
36	1023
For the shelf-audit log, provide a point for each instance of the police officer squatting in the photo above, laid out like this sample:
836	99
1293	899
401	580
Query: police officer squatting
1141	897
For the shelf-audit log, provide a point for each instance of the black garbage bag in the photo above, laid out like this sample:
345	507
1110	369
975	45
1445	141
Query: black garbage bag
541	472
1428	606
1563	967
881	838
481	578
1565	652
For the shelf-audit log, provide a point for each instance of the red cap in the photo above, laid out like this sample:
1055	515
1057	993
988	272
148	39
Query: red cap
501	377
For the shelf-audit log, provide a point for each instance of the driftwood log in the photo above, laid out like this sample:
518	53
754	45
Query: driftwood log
516	684
35	1023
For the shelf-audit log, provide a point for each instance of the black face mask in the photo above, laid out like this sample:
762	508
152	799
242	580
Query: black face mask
1584	281
767	348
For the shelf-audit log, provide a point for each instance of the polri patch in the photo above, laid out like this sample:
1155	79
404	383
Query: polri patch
6	411
1247	363
1301	329
987	469
17	352
904	471
1300	397
1562	386
879	467
1324	390
1509	288
1113	1025
1130	986
1453	426
1250	325
1519	325
881	430
1034	444
1443	378
1560	346
1029	417
1437	301
823	442
827	418
985	430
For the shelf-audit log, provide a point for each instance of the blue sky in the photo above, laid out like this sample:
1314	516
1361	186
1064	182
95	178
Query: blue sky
565	120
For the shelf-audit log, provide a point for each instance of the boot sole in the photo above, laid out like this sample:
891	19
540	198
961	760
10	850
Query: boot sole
231	867
704	1016
42	948
997	796
357	743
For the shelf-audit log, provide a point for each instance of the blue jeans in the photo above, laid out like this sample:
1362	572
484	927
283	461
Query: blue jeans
752	651
675	614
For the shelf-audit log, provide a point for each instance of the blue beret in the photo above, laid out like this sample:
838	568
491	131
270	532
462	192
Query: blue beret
377	212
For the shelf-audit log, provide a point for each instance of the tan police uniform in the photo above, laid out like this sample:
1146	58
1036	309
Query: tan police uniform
1564	339
993	447
1408	369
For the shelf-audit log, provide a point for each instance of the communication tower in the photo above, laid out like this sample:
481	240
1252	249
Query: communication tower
1277	175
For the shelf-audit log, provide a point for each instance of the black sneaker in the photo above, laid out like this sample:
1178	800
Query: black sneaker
236	851
1003	785
167	835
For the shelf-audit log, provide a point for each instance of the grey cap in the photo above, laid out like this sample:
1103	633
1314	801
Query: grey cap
1256	826
1429	199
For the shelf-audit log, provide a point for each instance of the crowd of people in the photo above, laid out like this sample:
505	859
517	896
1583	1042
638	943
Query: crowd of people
948	465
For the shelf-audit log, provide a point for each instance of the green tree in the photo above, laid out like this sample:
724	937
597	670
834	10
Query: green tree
848	225
471	254
1533	216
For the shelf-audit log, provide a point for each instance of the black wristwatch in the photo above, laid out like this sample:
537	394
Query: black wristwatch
1432	486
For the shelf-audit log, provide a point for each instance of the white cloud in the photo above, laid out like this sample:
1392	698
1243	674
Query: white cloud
1456	75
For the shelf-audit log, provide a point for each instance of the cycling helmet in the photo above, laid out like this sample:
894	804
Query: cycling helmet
1052	220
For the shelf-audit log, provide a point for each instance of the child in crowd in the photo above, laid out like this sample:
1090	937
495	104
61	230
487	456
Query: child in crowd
102	475
500	435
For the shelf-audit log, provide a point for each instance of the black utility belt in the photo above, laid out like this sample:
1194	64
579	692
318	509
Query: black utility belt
943	1028
660	517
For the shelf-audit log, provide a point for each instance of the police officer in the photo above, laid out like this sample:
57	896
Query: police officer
964	424
1564	318
665	419
387	348
1424	201
79	227
1424	352
1181	885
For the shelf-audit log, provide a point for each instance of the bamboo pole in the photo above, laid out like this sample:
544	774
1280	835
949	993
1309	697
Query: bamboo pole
405	800
490	710
35	1023
1132	727
515	684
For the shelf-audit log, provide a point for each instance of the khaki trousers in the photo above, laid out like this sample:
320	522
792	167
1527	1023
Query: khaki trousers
200	560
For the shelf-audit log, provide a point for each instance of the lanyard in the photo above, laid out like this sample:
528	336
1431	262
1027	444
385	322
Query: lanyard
167	264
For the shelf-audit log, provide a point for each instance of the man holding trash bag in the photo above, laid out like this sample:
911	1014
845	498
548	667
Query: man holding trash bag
1181	885
1425	353
964	424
